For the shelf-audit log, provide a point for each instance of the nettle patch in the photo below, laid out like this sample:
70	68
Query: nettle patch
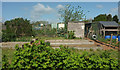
40	55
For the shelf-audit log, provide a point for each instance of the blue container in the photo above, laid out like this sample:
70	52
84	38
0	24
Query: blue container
39	24
114	37
107	37
118	38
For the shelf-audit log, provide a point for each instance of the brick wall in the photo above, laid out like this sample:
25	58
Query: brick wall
78	27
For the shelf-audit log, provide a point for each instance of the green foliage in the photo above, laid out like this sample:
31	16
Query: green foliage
61	32
45	32
24	39
101	17
71	13
119	23
104	17
114	42
7	36
48	43
98	49
71	35
103	39
91	49
41	56
109	17
115	18
5	63
95	28
17	27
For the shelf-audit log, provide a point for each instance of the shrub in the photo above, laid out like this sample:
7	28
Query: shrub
91	49
41	56
5	63
71	35
48	43
98	49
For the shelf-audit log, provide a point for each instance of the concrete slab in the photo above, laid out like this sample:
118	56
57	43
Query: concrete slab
12	44
70	41
82	48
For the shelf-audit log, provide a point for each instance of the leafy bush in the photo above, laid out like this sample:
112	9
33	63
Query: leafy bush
42	56
91	49
45	32
7	36
71	35
24	39
108	41
16	28
98	49
61	32
5	63
103	40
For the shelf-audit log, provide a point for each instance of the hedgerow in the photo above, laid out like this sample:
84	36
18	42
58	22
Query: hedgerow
40	55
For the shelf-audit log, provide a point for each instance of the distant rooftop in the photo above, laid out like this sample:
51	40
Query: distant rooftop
109	23
77	21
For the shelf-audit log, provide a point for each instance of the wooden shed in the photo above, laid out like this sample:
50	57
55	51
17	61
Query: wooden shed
108	27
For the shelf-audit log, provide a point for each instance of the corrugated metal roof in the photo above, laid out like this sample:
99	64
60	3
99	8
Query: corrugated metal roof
109	23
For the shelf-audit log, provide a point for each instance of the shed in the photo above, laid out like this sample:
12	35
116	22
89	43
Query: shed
77	27
108	27
109	23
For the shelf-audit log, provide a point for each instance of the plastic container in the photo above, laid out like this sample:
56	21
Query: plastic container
114	37
119	38
107	37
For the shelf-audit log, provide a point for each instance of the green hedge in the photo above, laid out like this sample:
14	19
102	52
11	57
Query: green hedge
41	56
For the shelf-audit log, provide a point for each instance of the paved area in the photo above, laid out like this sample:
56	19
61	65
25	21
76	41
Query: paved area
83	48
78	44
70	42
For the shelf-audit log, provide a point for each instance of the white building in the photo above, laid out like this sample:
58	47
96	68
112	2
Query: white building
60	25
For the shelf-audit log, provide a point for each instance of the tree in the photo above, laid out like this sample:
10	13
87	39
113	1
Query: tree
16	28
71	13
101	17
115	18
109	17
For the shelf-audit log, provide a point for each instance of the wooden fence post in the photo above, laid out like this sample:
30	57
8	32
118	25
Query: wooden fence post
111	40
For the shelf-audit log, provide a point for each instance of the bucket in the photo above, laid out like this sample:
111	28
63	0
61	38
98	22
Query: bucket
107	37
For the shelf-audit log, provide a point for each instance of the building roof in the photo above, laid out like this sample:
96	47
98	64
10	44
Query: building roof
77	21
109	23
